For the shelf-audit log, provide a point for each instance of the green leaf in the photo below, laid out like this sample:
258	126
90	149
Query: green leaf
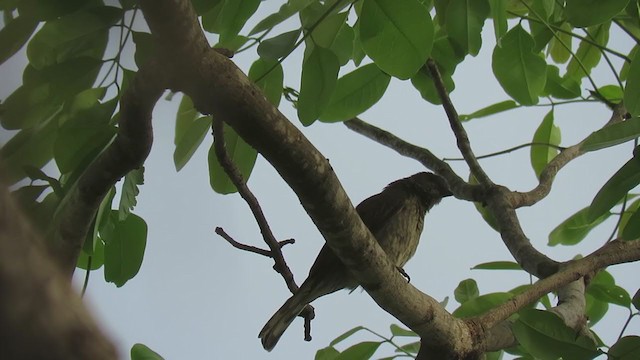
185	117
545	336
356	92
612	135
466	290
234	14
363	350
142	352
631	229
14	35
499	16
278	46
328	353
481	304
326	32
211	18
124	250
560	45
560	88
464	22
575	228
423	82
611	93
626	348
615	188
84	132
490	110
487	216
595	309
632	88
587	54
520	71
547	133
45	10
583	13
30	147
498	265
130	190
287	10
190	141
399	331
97	258
81	34
612	294
269	77
319	77
343	44
241	154
346	335
397	38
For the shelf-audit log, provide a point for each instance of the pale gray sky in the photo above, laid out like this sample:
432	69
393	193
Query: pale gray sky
197	297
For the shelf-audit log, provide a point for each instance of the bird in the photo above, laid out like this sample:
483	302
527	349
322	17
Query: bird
394	216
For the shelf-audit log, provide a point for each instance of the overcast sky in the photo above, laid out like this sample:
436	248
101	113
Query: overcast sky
197	297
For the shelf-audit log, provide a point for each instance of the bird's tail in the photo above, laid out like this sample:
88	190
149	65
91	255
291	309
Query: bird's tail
280	321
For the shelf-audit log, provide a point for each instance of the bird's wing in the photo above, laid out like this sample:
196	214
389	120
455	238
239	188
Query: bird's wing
375	210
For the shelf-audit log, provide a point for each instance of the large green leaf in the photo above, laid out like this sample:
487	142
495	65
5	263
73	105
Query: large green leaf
124	249
241	154
465	19
326	32
632	89
588	55
269	77
145	47
575	228
278	46
520	71
499	16
595	309
612	135
545	336
83	33
45	10
30	147
84	131
319	77
287	10
355	93
625	179
190	141
398	38
185	116
14	35
233	15
547	133
632	229
626	348
583	13
498	265
363	350
423	82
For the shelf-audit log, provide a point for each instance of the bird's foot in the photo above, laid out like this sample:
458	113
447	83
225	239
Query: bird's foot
404	273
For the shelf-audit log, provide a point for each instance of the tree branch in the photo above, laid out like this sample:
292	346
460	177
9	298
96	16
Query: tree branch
458	130
218	87
128	151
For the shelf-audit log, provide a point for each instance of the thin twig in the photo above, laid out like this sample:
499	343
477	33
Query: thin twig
454	121
237	180
253	249
506	151
276	253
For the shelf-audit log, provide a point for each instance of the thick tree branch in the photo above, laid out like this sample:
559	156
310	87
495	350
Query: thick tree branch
40	315
218	87
128	151
615	252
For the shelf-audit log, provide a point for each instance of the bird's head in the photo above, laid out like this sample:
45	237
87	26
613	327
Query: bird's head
430	187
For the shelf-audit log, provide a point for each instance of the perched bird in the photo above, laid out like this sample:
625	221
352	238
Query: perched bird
395	217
